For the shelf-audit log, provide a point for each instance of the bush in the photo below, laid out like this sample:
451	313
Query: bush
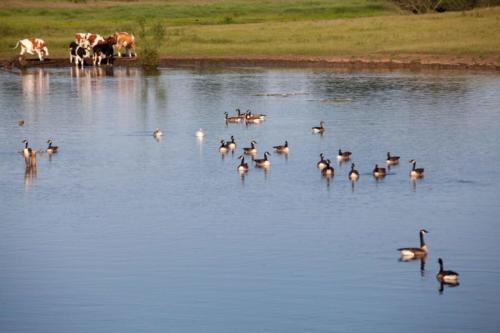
426	6
152	37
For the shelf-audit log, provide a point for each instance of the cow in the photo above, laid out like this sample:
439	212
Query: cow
125	40
78	53
32	46
101	51
93	39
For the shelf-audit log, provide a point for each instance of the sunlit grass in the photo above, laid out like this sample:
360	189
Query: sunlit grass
272	27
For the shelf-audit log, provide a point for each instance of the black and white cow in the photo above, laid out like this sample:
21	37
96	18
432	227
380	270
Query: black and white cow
101	51
78	53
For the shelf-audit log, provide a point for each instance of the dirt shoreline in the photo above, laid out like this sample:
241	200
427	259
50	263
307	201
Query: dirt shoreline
412	62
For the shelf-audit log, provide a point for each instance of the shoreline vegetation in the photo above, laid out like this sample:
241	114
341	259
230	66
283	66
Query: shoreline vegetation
340	33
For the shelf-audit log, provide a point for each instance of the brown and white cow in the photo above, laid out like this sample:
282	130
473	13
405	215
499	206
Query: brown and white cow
32	46
125	40
92	39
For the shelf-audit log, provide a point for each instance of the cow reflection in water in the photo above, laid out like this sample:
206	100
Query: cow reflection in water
35	84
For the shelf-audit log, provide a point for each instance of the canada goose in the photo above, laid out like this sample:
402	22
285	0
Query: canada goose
392	160
446	276
240	115
199	133
343	155
250	150
322	162
51	149
264	162
223	147
416	173
21	122
231	119
242	167
320	128
378	172
410	252
27	150
328	171
250	118
256	115
353	174
283	149
231	145
157	133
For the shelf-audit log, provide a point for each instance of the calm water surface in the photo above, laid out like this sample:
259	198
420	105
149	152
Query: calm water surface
120	233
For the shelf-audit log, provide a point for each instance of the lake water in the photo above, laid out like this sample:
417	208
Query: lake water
121	233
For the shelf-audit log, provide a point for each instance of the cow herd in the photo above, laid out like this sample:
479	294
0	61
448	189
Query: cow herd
85	45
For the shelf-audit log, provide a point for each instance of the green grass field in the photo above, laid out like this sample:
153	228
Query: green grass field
259	27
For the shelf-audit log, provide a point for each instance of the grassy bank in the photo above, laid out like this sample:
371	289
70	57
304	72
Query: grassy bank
260	27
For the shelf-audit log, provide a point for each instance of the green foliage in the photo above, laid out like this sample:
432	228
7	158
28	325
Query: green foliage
151	38
252	27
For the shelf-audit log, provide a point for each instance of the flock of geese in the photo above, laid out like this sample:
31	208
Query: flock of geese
324	165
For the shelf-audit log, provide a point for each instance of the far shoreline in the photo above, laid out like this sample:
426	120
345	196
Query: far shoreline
400	62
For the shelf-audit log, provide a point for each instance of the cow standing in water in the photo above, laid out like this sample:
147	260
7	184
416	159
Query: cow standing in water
32	46
78	53
125	40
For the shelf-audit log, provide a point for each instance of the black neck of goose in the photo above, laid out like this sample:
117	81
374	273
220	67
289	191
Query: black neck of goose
352	167
388	156
414	166
422	242
50	144
440	266
252	145
286	143
26	144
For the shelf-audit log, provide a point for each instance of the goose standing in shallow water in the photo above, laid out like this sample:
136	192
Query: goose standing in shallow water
27	150
353	174
282	149
392	160
320	128
378	172
51	149
412	252
416	173
450	277
242	167
264	162
328	171
250	150
322	162
343	155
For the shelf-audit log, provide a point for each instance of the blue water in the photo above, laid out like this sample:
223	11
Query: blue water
120	233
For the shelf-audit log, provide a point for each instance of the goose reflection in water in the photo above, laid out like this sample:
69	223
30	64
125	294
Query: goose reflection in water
448	285
422	259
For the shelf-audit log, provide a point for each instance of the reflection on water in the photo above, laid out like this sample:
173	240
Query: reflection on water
119	230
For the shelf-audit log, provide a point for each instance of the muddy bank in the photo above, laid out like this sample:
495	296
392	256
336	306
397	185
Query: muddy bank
415	62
